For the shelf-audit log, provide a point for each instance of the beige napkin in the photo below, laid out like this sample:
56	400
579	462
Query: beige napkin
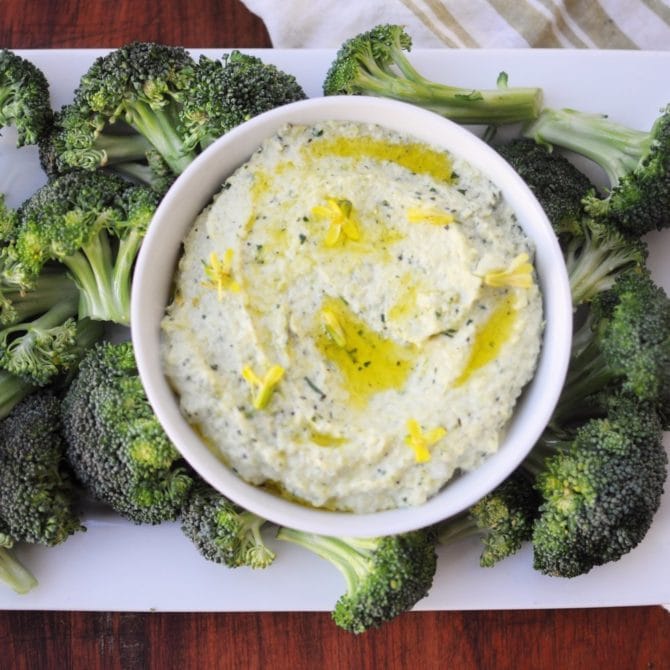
594	24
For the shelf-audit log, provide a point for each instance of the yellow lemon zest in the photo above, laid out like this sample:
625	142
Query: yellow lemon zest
519	274
339	212
333	327
219	271
265	385
420	441
429	215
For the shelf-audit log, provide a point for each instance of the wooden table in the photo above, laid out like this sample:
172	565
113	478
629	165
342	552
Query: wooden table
625	638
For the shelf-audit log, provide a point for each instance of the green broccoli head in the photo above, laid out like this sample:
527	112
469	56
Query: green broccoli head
633	332
24	98
385	576
143	85
558	185
502	519
36	495
600	490
227	92
93	223
222	531
637	164
624	343
375	63
115	444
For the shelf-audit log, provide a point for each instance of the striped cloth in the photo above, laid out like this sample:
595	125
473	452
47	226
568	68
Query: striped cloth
580	24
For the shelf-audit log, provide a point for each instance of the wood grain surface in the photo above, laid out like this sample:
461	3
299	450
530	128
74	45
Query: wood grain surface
613	638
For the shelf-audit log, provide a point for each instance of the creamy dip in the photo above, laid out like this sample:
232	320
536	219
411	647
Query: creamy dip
355	316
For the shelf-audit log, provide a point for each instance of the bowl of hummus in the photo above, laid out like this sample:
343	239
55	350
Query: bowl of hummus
351	316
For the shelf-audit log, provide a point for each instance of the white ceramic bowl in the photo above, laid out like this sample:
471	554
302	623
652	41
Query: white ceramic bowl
195	188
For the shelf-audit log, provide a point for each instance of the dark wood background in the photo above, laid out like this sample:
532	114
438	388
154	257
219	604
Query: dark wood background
617	638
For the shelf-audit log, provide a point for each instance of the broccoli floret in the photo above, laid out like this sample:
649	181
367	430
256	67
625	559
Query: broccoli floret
623	343
115	444
637	165
596	254
222	531
385	576
374	63
502	519
24	98
600	488
232	90
39	331
93	223
71	144
36	494
141	84
558	185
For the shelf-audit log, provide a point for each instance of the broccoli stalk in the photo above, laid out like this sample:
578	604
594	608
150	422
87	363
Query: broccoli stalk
373	63
24	98
13	573
502	520
223	532
13	390
637	164
385	576
596	256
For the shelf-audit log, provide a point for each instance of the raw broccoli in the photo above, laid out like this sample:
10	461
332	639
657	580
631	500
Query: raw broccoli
37	497
232	90
114	442
502	519
222	531
637	164
600	488
13	390
71	144
12	571
374	63
141	84
24	98
91	222
385	576
596	254
624	343
558	185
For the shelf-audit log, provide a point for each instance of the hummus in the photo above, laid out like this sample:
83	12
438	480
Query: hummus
354	318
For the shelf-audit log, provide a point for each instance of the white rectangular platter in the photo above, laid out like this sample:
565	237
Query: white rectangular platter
117	566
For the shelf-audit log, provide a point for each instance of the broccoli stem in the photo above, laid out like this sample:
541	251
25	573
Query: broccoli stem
14	574
466	106
350	556
94	272
49	289
122	273
614	147
13	390
457	528
55	316
159	128
121	148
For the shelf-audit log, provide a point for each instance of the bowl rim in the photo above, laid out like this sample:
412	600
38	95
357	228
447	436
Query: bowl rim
203	178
